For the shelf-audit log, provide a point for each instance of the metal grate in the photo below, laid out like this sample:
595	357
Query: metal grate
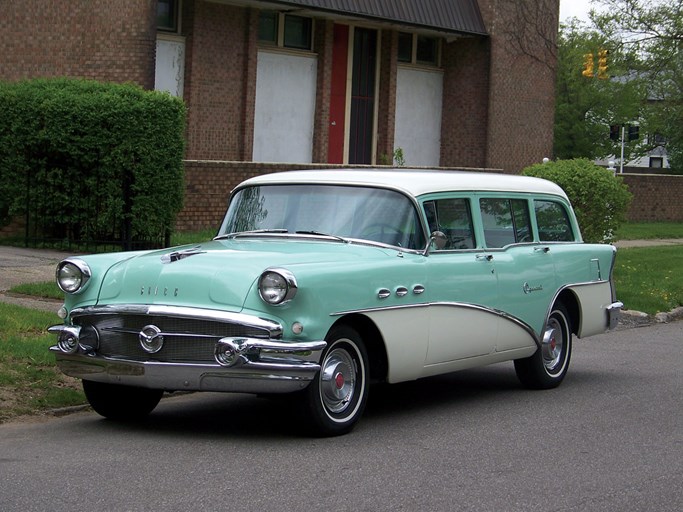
185	339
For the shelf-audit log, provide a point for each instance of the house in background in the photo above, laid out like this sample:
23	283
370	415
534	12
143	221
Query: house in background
271	85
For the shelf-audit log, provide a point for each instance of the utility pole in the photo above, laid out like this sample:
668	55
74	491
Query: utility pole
621	160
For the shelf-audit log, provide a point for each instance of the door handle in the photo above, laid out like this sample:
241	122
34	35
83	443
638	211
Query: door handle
484	257
545	248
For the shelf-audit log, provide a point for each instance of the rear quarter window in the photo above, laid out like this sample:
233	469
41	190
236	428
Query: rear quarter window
553	222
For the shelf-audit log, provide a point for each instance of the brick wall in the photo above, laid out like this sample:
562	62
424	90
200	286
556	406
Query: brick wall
522	81
465	102
98	39
323	38
386	100
655	197
220	83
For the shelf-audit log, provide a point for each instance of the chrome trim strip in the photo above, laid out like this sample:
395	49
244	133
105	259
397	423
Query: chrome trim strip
497	312
274	328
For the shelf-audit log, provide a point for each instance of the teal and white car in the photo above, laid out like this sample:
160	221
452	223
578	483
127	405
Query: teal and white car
321	282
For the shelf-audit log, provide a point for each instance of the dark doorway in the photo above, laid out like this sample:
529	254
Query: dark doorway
361	129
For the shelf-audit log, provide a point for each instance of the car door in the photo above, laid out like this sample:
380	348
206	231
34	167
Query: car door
462	282
524	269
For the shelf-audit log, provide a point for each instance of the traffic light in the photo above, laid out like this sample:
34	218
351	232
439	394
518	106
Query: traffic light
614	132
587	65
602	64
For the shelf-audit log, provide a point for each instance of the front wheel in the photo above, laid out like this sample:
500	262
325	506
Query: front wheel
548	366
335	400
118	402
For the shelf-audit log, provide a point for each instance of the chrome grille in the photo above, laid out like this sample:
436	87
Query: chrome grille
185	339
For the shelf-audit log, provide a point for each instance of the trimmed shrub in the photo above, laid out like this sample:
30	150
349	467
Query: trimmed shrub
84	160
600	199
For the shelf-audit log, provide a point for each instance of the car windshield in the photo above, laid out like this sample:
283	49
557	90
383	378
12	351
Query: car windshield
360	213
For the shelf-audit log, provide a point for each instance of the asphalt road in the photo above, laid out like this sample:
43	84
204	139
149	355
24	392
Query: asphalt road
610	438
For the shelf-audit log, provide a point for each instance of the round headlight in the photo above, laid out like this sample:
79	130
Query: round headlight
72	275
277	286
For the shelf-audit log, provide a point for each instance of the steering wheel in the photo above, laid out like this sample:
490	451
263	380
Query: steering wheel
382	232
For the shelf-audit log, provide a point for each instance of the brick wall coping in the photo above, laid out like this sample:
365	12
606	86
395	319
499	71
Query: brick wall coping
293	166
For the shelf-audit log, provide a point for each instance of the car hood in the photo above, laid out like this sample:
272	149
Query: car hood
220	274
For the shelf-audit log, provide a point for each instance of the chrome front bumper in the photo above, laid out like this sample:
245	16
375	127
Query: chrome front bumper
180	348
243	365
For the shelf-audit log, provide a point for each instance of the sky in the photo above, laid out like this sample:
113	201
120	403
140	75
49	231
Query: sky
574	9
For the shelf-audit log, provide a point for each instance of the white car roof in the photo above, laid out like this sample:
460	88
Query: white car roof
415	182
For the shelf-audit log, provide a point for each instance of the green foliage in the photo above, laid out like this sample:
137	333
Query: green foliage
600	199
399	158
29	378
192	237
650	32
47	290
91	157
650	230
649	278
585	107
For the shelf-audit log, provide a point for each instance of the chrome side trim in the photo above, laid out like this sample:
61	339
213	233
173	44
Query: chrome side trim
274	328
507	316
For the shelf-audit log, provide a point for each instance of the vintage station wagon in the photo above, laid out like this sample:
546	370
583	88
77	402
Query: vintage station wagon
321	282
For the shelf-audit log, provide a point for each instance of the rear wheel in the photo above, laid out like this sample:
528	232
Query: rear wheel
118	402
336	398
548	366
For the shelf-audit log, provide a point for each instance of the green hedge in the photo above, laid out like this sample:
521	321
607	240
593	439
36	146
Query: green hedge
84	160
599	198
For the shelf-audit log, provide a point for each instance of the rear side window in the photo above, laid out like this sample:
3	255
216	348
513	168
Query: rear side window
506	221
553	222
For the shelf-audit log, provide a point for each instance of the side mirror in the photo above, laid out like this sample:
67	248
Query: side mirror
437	240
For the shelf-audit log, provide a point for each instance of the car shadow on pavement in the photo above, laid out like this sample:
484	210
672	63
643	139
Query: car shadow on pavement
217	415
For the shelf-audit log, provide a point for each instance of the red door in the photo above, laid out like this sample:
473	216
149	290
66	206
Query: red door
340	49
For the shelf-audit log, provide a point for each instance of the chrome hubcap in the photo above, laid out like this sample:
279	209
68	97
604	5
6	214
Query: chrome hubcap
553	343
338	380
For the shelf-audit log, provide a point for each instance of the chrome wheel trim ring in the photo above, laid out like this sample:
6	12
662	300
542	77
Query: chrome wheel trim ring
338	376
553	345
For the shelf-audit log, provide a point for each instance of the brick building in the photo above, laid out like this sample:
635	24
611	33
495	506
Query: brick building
276	84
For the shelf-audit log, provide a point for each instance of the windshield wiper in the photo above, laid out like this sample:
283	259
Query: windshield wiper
247	233
326	235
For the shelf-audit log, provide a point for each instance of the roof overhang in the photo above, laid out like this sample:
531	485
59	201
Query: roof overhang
449	18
